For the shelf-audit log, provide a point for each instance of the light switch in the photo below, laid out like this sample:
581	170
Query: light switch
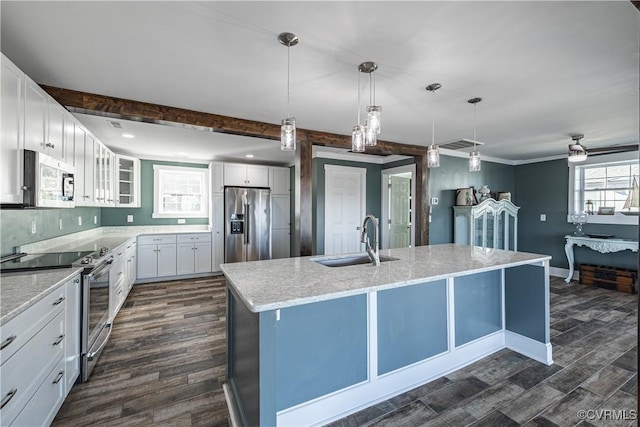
33	227
129	218
95	219
80	220
60	223
543	217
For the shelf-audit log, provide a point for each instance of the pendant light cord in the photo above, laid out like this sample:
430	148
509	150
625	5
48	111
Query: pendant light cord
288	81
358	98
475	123
433	121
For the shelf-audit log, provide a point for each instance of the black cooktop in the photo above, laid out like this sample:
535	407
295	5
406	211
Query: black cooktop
45	261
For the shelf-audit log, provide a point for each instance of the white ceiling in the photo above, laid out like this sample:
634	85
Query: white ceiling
545	70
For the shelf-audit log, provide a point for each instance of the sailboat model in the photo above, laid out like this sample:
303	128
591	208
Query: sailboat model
632	199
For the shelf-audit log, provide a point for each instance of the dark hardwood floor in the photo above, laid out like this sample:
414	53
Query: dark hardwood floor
165	365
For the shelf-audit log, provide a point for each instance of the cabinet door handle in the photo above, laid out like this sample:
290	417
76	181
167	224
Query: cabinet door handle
58	301
76	281
58	340
8	341
50	145
58	377
8	397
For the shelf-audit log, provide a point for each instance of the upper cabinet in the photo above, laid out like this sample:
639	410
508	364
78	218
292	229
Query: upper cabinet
241	175
127	182
280	180
44	122
217	177
12	132
489	224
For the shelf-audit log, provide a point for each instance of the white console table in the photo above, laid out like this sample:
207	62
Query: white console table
597	244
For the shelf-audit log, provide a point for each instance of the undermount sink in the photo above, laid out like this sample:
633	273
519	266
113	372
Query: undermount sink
350	260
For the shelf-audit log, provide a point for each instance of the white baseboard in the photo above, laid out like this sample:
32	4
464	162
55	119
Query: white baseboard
528	347
234	417
562	272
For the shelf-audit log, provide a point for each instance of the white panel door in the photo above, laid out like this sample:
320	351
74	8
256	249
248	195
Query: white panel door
147	261
280	212
167	262
35	116
217	221
185	255
345	204
280	243
202	257
400	212
257	176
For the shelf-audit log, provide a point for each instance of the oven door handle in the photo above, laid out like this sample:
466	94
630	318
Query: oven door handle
92	355
97	272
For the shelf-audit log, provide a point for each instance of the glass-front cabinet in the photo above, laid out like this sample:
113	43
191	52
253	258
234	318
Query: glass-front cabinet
490	224
128	181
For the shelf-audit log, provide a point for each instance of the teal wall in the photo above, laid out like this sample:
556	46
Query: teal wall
373	191
543	189
142	215
452	174
15	225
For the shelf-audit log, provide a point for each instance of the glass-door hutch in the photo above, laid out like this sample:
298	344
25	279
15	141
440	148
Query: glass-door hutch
489	224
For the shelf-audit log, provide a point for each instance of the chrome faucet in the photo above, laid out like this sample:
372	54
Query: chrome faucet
364	238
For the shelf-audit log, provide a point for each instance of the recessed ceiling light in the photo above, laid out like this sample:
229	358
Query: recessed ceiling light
250	156
128	135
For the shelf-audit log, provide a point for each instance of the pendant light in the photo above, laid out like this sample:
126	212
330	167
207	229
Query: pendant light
288	127
577	151
371	128
433	153
474	156
358	133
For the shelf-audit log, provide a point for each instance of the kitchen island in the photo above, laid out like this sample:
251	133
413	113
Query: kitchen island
309	344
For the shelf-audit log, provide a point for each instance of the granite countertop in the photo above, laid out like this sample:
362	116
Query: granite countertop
279	283
20	291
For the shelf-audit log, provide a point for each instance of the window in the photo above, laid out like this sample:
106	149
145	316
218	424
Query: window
604	182
180	192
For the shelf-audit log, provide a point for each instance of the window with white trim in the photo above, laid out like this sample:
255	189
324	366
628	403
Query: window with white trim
180	192
604	183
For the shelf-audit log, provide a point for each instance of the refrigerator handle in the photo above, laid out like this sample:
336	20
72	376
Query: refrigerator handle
246	224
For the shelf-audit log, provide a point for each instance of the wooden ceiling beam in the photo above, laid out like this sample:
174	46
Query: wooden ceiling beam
137	110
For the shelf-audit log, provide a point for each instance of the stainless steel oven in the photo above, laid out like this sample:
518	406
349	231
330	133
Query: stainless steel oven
95	314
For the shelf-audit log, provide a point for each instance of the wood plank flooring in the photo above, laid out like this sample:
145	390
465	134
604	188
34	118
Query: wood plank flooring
165	365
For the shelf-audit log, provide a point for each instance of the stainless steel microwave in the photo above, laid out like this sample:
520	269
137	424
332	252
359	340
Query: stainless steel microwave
48	183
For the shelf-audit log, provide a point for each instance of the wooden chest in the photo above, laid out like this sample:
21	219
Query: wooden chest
619	279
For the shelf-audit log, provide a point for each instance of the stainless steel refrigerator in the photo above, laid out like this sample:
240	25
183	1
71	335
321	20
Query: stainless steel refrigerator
247	213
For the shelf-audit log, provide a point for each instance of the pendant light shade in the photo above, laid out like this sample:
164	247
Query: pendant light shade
577	151
474	156
433	153
288	125
474	161
367	134
357	139
288	134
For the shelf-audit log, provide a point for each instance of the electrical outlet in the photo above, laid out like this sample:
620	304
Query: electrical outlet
95	219
543	217
33	227
182	221
60	223
434	201
80	221
129	218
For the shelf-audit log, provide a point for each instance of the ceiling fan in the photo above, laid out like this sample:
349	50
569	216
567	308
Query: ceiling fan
579	153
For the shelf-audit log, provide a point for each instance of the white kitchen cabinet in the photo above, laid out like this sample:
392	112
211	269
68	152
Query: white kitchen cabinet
72	328
280	226
241	175
55	141
131	263
157	256
69	141
84	164
117	282
12	132
104	163
217	177
194	253
280	180
35	116
127	181
36	346
217	234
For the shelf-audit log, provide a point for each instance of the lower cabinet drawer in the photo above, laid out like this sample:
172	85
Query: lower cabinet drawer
22	374
43	407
